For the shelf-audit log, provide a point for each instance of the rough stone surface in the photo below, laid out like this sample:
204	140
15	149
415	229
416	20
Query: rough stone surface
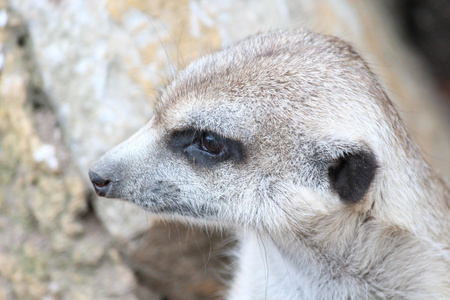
83	75
91	71
51	247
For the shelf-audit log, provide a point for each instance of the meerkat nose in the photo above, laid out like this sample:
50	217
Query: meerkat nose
101	185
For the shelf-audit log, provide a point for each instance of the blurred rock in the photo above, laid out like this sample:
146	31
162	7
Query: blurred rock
427	25
83	75
43	208
92	73
181	263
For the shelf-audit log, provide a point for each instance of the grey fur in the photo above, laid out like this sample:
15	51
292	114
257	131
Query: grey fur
297	102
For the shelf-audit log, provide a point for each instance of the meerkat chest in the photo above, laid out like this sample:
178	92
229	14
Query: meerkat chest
263	273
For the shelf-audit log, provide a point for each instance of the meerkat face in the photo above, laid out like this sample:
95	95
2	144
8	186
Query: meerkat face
280	128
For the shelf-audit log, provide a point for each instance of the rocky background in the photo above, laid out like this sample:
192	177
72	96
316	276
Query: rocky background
79	76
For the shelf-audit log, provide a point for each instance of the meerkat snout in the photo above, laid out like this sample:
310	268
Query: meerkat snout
289	138
101	184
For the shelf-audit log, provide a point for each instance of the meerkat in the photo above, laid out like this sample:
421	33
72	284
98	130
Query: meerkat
289	138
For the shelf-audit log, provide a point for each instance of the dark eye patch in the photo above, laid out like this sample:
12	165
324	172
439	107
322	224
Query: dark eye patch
205	148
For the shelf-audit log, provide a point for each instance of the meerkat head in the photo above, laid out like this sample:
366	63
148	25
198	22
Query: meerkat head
282	127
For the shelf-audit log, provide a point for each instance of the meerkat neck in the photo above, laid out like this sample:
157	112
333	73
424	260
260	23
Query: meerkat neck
342	260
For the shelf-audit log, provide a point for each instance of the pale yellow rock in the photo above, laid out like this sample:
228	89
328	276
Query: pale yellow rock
88	254
114	255
83	294
61	242
40	207
3	293
70	226
7	266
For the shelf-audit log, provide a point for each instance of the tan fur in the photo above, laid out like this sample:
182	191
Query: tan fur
297	102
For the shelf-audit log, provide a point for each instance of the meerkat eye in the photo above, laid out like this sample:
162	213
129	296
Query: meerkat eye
210	144
205	148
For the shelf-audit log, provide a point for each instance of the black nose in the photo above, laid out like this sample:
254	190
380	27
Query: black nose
101	185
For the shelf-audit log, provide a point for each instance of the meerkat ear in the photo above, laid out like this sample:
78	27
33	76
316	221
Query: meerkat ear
351	175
